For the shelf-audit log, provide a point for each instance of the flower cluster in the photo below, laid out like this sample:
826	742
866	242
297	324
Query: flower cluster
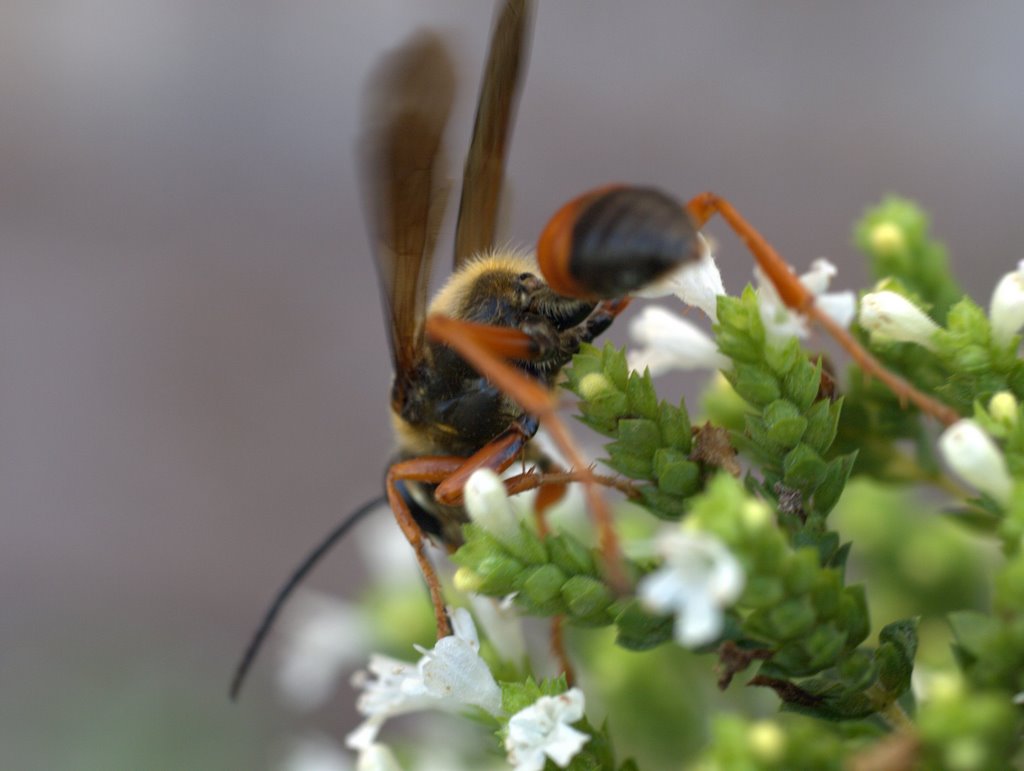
738	531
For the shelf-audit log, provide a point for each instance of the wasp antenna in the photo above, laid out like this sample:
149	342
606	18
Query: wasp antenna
296	578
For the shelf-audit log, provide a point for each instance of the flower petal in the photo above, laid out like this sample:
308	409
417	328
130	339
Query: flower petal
487	504
323	637
451	675
781	323
671	342
454	672
1006	309
976	458
697	580
544	729
316	754
501	625
377	757
891	316
699	623
696	283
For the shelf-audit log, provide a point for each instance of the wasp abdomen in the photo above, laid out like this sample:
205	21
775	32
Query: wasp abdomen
612	241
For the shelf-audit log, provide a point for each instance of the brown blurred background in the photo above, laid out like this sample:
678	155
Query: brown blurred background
193	370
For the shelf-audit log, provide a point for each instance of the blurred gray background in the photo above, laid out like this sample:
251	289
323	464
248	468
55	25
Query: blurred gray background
193	369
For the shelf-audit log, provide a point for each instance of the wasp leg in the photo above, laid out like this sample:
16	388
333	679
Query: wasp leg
600	319
547	496
449	473
496	455
470	341
429	470
800	299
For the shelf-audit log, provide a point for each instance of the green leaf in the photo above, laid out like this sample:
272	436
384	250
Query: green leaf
802	382
677	476
782	358
833	482
896	655
822	424
853	614
614	364
639	629
570	555
643	401
587	598
629	463
641	435
543	588
755	383
804	469
674	423
784	423
791	618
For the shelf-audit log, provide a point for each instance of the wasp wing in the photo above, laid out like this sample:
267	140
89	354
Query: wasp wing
404	185
484	174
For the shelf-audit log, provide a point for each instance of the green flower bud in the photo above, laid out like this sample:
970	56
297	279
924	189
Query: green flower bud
1004	408
886	238
767	741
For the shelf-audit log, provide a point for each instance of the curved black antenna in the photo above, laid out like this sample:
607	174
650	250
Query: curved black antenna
307	564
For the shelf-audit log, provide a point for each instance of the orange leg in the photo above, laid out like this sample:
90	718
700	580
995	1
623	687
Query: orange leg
547	496
450	473
471	343
497	456
430	470
798	298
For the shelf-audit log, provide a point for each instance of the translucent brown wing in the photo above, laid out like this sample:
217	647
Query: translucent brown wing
408	103
484	175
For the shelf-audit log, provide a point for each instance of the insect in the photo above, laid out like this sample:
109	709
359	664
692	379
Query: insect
456	404
453	414
474	371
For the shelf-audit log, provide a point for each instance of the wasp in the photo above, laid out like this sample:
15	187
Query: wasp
475	368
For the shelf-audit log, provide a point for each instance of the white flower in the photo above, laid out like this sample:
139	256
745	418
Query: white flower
450	676
377	757
781	323
453	671
544	730
699	578
1006	310
501	625
487	504
696	283
323	636
397	689
316	754
891	316
972	454
671	342
387	554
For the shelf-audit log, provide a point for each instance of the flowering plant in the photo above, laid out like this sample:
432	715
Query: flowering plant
782	543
